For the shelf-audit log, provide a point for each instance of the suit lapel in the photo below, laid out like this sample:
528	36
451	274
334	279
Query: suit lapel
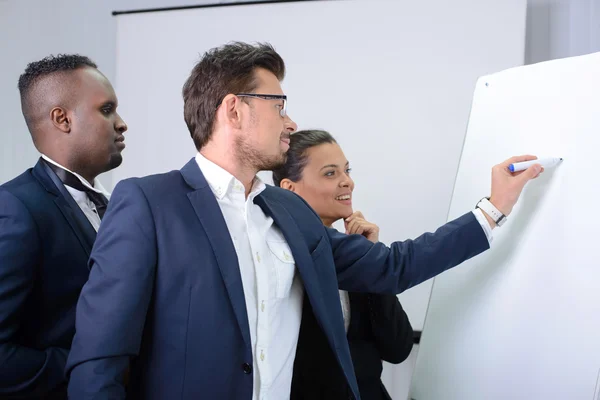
306	267
79	223
301	253
209	213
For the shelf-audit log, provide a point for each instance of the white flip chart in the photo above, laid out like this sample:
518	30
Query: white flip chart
522	320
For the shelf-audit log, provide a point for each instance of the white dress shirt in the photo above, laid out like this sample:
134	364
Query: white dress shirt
485	225
272	288
81	198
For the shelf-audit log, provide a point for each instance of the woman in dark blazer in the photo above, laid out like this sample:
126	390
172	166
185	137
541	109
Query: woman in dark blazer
377	327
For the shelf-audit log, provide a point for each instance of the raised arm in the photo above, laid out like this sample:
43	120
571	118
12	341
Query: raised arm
367	267
363	266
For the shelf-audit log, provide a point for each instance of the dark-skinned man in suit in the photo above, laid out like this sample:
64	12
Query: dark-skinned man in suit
49	216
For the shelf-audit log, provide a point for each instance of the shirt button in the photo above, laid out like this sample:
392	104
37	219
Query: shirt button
247	368
262	306
258	257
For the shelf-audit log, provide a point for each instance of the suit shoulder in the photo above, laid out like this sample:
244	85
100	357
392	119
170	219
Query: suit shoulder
22	197
153	183
289	199
26	189
20	184
283	195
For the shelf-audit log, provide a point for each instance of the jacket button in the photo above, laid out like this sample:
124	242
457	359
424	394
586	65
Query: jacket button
247	368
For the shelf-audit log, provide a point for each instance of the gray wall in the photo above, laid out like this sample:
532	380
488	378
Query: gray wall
561	28
31	29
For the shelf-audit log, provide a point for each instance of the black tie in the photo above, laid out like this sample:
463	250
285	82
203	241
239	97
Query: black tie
71	180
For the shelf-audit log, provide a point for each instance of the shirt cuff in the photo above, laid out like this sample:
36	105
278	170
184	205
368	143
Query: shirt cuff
485	225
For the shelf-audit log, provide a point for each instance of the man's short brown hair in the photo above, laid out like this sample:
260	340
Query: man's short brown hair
221	71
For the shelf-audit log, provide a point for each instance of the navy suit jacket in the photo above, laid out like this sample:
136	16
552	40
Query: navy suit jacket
165	293
45	243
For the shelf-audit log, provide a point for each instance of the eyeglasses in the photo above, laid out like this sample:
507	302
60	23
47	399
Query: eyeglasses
282	111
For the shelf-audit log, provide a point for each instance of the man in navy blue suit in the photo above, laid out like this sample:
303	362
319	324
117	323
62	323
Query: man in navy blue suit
200	277
49	216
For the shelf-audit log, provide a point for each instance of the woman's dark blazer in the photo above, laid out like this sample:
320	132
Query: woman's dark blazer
379	330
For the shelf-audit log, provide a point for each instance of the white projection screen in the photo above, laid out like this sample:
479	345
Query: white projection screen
521	321
391	80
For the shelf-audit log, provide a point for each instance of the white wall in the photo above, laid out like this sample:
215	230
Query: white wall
31	29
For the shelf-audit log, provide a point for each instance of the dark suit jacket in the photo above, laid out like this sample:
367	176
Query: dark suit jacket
165	289
379	330
45	243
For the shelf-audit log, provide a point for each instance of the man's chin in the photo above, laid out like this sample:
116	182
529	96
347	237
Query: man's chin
115	160
273	163
281	162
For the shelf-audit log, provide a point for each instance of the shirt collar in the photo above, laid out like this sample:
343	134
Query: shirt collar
222	182
98	188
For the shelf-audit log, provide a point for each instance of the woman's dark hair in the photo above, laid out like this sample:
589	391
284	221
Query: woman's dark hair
297	158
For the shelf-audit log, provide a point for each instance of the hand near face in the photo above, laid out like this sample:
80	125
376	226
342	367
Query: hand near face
357	224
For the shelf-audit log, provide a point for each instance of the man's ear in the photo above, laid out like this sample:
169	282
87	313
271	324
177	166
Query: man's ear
60	119
231	107
288	185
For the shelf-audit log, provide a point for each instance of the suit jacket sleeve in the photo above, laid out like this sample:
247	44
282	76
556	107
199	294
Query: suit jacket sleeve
24	372
363	266
112	308
391	328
